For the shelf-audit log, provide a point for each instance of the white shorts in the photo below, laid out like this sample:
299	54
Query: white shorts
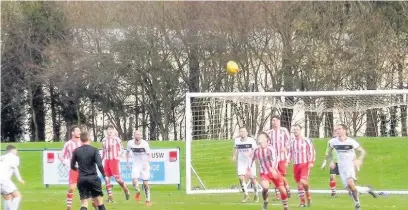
346	173
242	170
140	173
7	186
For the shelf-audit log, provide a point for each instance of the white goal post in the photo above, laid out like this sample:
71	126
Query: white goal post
214	118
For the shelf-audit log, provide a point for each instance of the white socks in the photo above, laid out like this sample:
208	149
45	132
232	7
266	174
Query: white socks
362	189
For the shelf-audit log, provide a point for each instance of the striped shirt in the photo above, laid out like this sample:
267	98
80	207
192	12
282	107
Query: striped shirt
267	159
280	139
301	151
68	150
111	148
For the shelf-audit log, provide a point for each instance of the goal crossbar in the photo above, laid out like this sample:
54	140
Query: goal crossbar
299	94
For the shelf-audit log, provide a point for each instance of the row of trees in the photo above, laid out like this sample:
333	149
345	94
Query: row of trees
132	62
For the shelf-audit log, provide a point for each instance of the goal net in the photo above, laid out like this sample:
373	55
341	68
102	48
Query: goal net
376	118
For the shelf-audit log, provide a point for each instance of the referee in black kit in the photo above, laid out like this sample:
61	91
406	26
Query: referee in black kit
89	184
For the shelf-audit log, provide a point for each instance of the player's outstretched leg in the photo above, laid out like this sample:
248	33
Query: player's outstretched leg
123	185
368	190
333	185
244	188
147	192
265	193
255	184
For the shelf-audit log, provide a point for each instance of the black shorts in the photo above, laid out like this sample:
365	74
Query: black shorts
89	187
335	170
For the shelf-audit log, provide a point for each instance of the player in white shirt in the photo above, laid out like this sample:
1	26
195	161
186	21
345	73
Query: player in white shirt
139	150
9	164
348	162
244	147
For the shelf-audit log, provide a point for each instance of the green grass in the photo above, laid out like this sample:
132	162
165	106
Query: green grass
384	168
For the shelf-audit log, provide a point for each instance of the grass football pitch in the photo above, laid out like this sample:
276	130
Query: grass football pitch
385	168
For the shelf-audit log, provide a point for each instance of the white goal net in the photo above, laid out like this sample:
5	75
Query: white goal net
376	118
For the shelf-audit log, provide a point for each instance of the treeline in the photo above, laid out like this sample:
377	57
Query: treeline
130	63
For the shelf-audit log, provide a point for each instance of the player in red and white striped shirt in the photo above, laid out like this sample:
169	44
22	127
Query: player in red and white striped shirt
111	152
302	152
268	164
279	139
67	152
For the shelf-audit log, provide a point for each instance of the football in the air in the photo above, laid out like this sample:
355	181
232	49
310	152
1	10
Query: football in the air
232	67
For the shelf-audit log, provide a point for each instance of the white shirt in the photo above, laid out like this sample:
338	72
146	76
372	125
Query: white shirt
9	165
345	150
140	152
245	149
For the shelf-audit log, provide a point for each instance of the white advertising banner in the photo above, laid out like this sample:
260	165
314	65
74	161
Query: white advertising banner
164	167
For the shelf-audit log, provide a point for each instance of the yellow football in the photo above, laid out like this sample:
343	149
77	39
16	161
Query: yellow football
232	67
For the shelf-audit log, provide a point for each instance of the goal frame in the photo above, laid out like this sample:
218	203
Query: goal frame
188	129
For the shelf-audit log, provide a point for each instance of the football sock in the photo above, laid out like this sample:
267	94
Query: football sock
147	192
307	192
284	198
109	190
354	196
333	186
70	195
243	186
265	194
362	189
83	208
301	192
101	207
255	188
